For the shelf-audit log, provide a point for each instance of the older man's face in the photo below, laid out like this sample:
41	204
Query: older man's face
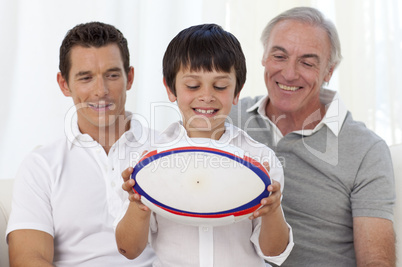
296	65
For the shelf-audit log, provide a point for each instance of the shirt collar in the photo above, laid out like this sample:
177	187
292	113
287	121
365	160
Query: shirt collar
260	106
176	132
336	111
72	131
137	132
74	135
333	118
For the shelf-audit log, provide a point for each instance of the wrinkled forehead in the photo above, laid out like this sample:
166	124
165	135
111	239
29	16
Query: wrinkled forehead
301	38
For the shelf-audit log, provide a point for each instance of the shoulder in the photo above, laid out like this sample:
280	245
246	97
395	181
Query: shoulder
43	160
239	113
139	126
248	102
357	134
51	150
368	153
247	142
174	133
255	149
40	167
262	153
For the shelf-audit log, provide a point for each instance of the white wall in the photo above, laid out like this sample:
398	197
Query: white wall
33	109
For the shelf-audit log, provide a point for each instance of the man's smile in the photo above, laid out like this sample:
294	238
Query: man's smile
288	88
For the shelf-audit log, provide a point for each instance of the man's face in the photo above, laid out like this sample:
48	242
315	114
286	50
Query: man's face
205	100
98	85
296	66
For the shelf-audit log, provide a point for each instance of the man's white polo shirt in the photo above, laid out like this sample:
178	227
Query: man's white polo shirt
71	189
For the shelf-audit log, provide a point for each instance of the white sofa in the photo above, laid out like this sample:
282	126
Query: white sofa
396	153
6	187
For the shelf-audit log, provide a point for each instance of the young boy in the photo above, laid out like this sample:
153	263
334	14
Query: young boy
204	70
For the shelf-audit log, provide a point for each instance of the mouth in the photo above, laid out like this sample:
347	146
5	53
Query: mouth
205	111
288	88
100	106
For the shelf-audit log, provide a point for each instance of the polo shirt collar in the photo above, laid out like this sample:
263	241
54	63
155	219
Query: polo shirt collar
336	111
137	131
176	132
72	131
75	137
333	118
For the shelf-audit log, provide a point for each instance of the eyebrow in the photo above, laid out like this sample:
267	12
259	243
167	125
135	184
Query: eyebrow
115	69
195	76
83	73
314	56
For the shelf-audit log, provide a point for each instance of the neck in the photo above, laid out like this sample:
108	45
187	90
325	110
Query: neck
215	135
288	122
107	135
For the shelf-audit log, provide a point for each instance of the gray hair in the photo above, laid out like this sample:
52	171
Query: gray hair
314	17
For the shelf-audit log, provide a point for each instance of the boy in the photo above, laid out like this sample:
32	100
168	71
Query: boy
204	70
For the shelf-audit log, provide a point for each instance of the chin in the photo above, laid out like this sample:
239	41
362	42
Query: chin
106	122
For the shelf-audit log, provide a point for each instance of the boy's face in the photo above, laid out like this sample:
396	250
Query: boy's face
204	99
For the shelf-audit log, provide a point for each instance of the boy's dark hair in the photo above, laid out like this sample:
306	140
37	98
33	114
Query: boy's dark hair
92	34
204	47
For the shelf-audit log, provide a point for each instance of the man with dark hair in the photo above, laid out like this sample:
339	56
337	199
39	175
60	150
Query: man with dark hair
67	193
339	191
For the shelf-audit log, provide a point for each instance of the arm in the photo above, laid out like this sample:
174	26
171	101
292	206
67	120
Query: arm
372	200
374	241
28	244
132	230
274	234
30	248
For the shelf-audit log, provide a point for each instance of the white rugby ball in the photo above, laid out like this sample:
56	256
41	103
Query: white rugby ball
201	186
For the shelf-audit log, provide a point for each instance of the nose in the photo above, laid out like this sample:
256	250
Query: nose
290	71
207	94
101	88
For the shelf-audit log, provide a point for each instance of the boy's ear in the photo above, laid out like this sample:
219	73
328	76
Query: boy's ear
236	99
171	96
63	85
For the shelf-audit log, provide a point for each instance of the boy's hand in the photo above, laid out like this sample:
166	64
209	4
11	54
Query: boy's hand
128	183
271	203
128	187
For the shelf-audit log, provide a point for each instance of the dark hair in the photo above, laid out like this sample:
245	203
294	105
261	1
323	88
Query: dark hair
204	47
92	34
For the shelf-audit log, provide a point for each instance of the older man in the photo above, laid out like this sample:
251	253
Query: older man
339	186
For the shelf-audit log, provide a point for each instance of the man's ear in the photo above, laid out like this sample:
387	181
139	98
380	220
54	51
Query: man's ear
172	97
328	76
63	85
130	78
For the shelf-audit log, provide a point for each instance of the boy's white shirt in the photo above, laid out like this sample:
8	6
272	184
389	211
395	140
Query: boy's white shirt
205	246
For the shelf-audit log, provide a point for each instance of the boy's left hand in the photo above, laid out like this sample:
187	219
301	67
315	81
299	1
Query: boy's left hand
271	203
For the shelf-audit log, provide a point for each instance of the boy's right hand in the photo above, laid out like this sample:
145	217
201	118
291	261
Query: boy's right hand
128	187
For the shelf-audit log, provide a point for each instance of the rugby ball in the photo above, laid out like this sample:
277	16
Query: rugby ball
201	186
